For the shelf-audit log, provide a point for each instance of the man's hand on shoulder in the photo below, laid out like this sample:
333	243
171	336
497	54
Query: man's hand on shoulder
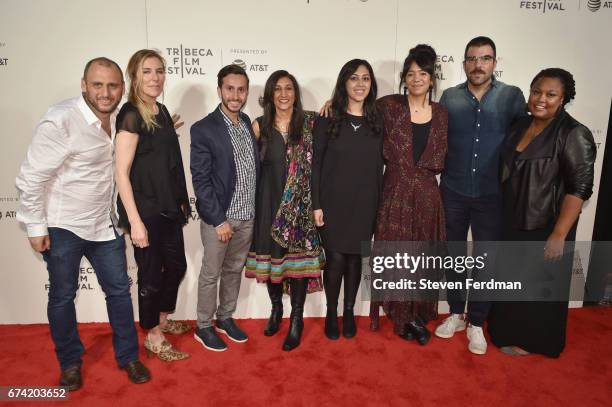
40	243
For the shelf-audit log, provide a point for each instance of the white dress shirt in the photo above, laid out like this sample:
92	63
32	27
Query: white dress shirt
66	180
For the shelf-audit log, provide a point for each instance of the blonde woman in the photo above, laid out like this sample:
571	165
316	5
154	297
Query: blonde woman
153	202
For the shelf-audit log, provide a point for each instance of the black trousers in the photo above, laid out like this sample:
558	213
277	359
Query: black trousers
161	267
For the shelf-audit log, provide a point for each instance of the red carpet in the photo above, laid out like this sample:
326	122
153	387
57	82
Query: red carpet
374	369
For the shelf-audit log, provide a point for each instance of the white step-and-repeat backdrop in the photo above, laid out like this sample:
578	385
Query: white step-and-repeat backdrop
44	45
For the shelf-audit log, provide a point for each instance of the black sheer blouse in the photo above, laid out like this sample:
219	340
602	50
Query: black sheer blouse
157	175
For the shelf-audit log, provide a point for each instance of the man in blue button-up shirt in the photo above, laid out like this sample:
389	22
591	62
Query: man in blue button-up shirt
480	111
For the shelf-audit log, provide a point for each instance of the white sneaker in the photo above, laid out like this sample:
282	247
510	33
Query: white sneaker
478	343
453	323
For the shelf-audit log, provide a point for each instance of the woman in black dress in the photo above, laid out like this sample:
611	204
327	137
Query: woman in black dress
346	186
285	244
153	204
547	174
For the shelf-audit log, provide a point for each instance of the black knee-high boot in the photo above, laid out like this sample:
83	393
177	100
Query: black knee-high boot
297	292
275	291
352	279
332	281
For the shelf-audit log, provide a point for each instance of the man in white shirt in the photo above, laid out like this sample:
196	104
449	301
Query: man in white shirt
66	203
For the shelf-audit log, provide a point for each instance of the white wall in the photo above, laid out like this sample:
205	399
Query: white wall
44	45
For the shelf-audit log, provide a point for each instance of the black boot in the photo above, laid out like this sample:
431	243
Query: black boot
349	329
419	331
352	278
332	281
332	331
297	290
275	291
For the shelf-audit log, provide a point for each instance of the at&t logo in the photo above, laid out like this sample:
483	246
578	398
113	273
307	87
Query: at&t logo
595	5
251	67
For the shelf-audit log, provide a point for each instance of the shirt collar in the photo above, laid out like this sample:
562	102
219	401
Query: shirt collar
227	119
90	116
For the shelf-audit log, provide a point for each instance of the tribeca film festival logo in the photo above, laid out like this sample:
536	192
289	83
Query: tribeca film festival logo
544	6
87	279
187	61
595	5
447	60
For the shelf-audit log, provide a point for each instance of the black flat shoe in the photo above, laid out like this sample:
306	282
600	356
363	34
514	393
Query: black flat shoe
407	335
419	331
71	378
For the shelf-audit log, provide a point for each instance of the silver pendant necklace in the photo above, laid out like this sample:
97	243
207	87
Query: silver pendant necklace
356	127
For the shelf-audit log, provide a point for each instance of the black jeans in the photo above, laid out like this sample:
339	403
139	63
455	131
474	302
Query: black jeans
161	267
484	215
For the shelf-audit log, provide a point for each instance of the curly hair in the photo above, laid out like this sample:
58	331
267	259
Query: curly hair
566	79
425	57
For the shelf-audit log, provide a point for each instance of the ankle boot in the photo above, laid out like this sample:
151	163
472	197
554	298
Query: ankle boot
298	297
275	291
332	331
349	328
419	331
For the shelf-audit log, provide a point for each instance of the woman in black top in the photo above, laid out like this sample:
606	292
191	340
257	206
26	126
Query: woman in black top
153	204
547	174
346	186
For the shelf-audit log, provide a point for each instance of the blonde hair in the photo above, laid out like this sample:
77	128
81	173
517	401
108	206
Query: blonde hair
134	73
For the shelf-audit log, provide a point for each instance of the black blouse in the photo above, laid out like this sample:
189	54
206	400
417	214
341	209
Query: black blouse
420	134
347	182
157	175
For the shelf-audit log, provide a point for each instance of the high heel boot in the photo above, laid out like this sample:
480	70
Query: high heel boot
298	298
275	291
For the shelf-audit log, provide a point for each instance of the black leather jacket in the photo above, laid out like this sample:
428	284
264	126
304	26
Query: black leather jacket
559	161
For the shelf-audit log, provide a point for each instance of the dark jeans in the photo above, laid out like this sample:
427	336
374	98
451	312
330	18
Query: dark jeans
108	260
161	267
484	215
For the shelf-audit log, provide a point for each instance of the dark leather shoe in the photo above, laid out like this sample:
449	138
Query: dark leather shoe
276	316
294	336
420	332
332	331
349	328
407	335
137	372
71	378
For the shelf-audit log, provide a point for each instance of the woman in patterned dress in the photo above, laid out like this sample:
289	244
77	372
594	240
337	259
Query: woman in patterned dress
415	146
285	244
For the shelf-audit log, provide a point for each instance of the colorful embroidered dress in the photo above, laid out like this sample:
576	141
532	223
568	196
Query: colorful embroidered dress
286	243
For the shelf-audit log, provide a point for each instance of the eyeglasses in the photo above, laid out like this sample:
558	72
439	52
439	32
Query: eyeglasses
483	58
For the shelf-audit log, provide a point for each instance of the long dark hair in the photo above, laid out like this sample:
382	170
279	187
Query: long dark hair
425	57
297	116
339	103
